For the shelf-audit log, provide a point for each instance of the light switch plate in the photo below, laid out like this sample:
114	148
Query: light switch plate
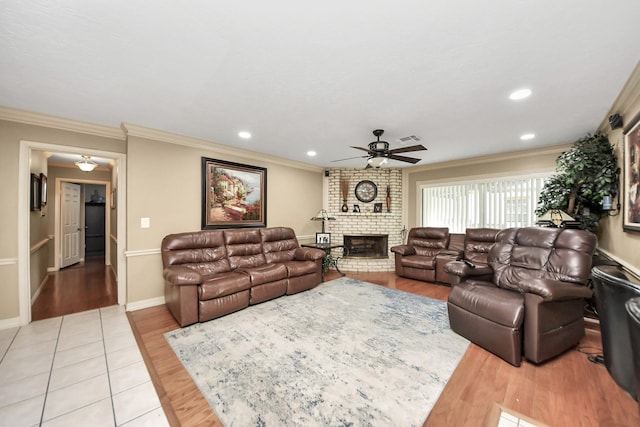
145	222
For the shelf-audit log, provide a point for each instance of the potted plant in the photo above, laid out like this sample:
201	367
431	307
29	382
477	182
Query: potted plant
585	175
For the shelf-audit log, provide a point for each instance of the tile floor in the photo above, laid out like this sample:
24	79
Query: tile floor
510	420
79	369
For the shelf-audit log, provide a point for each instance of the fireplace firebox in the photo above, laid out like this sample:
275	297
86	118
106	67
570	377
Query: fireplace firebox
366	246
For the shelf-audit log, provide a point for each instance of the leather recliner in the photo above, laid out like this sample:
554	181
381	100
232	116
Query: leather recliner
477	243
417	259
533	302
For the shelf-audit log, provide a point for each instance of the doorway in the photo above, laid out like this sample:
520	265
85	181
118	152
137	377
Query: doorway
119	200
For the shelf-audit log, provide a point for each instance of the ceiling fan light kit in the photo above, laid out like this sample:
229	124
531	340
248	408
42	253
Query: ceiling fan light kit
378	152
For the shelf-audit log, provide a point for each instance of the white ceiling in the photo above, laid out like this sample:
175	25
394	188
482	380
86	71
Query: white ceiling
322	75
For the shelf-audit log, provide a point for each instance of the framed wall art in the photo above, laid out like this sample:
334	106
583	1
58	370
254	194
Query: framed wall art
34	203
43	190
323	238
233	195
631	177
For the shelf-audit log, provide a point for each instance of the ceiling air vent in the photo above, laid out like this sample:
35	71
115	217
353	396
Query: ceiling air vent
411	138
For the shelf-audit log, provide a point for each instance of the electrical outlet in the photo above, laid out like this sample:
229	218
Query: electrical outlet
145	222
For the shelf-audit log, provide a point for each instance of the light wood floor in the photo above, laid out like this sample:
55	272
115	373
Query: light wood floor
566	391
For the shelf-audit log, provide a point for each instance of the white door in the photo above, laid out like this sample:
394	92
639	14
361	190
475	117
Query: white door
70	216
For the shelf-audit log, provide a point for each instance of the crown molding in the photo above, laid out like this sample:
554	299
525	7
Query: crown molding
39	119
511	155
627	98
173	138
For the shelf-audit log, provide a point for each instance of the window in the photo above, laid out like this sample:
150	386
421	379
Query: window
496	203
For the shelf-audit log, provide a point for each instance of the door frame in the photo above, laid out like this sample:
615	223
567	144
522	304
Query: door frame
26	147
58	218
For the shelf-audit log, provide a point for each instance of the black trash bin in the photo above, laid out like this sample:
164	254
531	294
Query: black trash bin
613	288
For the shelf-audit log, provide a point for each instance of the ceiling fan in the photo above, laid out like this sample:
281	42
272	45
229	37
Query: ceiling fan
378	152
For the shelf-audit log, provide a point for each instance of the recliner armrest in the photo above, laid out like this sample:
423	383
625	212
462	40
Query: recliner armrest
459	268
555	290
177	275
308	254
450	253
403	250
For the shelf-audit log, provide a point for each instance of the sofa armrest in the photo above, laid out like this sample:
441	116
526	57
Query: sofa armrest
555	290
462	270
178	275
403	250
308	254
450	253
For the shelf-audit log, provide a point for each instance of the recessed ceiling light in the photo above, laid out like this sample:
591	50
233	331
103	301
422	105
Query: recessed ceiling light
520	94
527	136
244	134
311	153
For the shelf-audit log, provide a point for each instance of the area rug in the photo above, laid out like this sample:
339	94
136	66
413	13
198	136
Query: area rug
346	353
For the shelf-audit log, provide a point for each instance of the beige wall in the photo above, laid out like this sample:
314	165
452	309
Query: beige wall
164	184
623	245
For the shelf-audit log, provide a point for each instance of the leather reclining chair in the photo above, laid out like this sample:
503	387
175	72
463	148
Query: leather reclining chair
533	302
613	289
417	259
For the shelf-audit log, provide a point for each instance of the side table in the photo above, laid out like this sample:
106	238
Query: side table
327	247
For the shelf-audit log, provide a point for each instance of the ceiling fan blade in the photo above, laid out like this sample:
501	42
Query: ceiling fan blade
404	159
407	149
361	148
350	158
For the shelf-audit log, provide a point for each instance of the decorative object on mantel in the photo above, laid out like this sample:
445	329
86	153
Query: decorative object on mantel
388	200
323	216
344	189
366	191
356	208
377	207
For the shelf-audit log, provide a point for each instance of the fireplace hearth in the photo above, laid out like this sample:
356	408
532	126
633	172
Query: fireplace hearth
366	246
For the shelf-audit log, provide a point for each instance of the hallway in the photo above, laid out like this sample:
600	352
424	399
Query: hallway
85	286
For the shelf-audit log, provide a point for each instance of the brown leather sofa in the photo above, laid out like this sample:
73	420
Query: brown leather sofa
426	249
211	273
532	300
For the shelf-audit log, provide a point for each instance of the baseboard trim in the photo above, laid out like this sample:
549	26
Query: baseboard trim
13	322
147	303
36	294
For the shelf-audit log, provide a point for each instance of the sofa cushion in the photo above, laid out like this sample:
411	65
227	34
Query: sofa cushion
278	244
486	300
265	273
202	251
244	248
222	284
428	241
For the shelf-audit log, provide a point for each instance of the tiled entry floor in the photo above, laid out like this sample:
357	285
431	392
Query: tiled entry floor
79	369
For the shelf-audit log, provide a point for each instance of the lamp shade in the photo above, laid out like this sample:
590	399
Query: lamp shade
322	215
554	216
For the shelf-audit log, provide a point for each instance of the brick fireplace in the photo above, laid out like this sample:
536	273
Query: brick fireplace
366	226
